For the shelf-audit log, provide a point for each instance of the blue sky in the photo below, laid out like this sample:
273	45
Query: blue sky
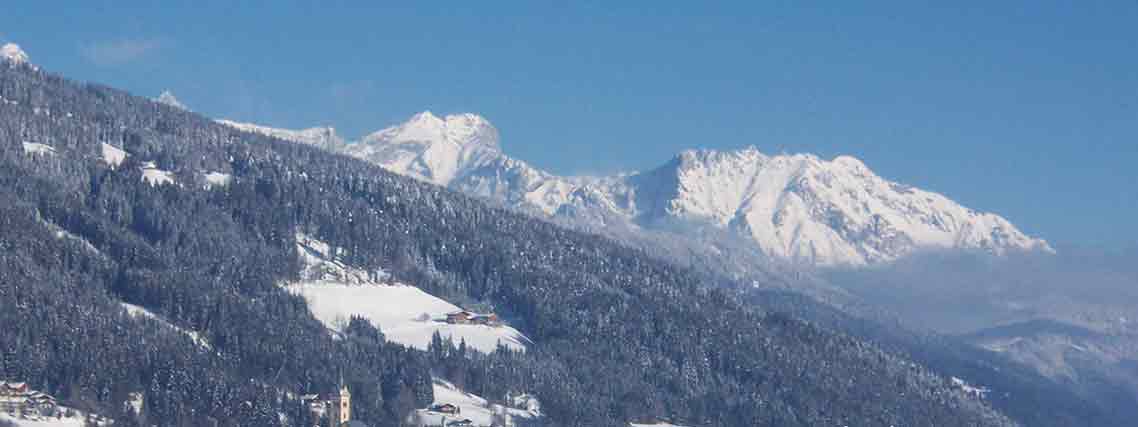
1026	109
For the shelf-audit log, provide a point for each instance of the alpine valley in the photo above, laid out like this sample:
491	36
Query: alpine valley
162	268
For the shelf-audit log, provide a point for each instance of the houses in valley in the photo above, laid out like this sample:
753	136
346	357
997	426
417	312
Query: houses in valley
17	399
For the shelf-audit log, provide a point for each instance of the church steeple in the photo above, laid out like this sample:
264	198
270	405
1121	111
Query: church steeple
341	404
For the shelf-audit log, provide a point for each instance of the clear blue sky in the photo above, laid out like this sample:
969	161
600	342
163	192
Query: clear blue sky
1027	109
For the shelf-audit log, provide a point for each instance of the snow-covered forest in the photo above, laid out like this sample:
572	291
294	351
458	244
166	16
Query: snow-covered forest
615	335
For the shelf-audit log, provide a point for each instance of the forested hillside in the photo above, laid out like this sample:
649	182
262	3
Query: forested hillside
617	335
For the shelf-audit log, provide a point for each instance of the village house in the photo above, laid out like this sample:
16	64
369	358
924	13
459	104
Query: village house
461	423
465	317
446	408
17	399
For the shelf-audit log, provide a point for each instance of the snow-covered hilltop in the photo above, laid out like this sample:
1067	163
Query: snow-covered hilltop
794	207
12	54
168	98
439	150
323	137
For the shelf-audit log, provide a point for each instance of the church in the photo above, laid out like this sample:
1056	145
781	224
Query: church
336	407
340	407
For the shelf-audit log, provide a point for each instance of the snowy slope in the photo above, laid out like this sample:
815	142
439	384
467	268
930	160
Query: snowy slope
798	208
113	156
473	407
804	208
154	176
138	311
323	137
218	179
430	148
405	314
37	148
77	421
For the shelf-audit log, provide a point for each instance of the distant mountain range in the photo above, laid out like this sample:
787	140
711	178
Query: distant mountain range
798	208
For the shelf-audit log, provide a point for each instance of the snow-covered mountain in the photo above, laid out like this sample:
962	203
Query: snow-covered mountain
794	207
801	207
461	151
168	98
12	53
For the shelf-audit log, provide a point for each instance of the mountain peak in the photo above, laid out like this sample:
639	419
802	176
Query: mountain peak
850	162
13	54
168	98
469	128
465	130
426	118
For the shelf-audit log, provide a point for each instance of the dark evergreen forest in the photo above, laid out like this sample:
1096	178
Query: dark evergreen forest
618	335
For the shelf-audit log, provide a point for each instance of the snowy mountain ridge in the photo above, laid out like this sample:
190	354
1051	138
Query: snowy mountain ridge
168	98
11	52
14	55
324	137
795	207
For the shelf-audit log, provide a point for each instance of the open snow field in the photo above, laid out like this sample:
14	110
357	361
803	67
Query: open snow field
37	148
404	313
43	422
77	420
473	407
154	176
112	155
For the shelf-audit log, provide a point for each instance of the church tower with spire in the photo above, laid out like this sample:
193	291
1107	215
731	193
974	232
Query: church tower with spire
341	406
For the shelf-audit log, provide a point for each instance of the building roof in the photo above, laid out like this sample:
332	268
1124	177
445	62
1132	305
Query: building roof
13	385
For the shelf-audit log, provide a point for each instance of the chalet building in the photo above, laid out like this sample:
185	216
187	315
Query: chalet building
460	317
17	398
471	318
446	408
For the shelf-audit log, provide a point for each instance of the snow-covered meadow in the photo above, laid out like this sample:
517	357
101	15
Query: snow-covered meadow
406	314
